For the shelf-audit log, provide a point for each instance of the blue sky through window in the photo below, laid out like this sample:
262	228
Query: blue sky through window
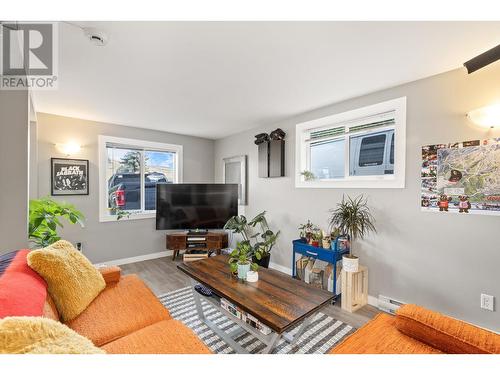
160	159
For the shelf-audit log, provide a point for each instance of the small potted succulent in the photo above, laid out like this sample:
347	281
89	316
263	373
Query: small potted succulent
308	175
317	237
306	231
240	260
352	217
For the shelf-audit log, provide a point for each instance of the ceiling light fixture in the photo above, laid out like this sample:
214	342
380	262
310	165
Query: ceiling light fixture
483	59
486	117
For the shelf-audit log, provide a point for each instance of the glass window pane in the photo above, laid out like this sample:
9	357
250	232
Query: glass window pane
123	176
159	167
372	149
327	159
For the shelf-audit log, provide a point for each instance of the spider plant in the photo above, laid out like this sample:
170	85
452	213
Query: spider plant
353	217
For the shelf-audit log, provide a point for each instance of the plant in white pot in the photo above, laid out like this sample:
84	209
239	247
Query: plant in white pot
240	260
352	217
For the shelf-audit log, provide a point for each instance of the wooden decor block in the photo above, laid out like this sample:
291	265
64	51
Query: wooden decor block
354	289
193	257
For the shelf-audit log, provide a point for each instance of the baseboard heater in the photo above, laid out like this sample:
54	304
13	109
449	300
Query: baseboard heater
388	304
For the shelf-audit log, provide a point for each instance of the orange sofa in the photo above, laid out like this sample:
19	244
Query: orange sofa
416	330
127	318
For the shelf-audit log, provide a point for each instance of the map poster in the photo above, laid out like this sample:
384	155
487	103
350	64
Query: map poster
461	177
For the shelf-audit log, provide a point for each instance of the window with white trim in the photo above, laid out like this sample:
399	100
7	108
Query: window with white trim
128	173
362	148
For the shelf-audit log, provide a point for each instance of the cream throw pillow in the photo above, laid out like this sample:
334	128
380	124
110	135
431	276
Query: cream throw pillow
37	335
73	282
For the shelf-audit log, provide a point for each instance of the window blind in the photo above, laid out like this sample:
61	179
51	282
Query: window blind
320	135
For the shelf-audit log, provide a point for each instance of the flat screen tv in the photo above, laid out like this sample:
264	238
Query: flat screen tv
195	206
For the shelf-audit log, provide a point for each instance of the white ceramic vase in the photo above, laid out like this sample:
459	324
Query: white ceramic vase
350	264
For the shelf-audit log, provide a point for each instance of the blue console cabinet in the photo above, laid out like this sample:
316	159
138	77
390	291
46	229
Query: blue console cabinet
332	256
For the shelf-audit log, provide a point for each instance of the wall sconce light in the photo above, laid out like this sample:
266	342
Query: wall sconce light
486	117
69	148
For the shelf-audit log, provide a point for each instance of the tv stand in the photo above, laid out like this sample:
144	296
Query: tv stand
201	244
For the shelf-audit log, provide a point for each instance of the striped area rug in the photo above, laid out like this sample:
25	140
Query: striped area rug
323	333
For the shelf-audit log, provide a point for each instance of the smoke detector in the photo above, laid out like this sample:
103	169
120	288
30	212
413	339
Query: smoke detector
96	37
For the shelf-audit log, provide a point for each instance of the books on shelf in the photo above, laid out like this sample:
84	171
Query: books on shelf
318	273
244	316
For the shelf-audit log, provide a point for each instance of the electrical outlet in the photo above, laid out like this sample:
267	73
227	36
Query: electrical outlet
79	246
487	302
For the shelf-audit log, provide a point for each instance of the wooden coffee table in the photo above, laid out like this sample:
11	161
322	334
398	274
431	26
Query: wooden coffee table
277	300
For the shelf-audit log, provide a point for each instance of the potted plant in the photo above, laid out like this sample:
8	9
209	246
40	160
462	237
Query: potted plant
308	175
305	231
325	242
45	216
352	217
317	236
263	241
240	260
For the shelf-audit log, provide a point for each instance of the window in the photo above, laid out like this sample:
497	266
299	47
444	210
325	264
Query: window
128	174
363	148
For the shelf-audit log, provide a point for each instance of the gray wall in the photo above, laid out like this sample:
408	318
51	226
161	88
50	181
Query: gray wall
112	240
14	121
440	261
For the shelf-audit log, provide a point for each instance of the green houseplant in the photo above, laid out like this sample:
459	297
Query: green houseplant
305	231
45	216
308	175
240	260
317	237
262	242
352	217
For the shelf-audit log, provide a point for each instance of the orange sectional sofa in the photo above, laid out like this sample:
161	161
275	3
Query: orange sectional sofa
127	318
416	330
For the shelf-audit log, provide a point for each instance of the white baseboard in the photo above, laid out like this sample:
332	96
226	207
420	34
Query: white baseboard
280	268
140	258
373	301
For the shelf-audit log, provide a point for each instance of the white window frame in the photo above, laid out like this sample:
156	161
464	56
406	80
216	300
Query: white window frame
302	148
104	213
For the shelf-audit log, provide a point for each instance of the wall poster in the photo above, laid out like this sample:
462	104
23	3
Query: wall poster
69	177
461	177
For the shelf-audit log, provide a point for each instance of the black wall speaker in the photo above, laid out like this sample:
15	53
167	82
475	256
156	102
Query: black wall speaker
483	59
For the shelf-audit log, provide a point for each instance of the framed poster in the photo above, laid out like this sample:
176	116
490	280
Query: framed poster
461	177
69	176
234	171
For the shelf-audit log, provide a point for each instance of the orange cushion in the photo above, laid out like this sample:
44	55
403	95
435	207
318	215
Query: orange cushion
22	290
120	309
110	274
165	337
380	336
50	309
444	333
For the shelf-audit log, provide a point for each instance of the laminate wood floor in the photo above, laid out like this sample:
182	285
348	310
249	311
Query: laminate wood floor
162	276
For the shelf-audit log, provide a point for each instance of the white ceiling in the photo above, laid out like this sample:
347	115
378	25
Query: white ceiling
212	79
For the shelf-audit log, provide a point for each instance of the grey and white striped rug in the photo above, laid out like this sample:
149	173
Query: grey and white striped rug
323	333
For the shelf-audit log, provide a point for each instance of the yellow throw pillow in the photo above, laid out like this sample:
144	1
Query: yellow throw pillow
37	335
73	282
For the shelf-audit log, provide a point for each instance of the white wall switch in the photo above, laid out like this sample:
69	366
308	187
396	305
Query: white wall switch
487	302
